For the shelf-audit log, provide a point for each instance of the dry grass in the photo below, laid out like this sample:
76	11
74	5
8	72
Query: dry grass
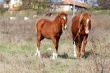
17	48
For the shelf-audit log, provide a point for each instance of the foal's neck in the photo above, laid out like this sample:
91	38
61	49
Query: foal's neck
57	20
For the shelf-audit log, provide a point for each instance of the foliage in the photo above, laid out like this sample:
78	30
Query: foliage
2	10
38	5
104	4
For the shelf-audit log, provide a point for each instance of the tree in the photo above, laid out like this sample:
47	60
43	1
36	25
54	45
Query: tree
104	4
29	4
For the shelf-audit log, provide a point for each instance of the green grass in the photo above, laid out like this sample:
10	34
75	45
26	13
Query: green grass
19	58
23	48
18	48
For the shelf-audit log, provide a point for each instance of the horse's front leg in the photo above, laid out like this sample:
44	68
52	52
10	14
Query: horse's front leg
84	42
76	45
55	46
78	50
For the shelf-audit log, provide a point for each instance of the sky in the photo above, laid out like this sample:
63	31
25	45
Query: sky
65	0
1	1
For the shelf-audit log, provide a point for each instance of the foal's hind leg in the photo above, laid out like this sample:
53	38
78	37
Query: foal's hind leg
39	38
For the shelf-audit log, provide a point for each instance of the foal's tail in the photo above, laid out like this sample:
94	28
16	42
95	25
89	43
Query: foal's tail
35	27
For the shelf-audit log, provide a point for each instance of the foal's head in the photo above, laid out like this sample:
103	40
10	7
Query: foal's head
63	19
86	22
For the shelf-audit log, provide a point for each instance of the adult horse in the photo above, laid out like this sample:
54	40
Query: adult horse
50	29
81	25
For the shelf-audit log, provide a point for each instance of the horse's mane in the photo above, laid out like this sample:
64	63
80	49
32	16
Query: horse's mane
82	15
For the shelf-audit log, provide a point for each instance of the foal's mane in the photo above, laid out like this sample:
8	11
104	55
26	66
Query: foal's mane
58	17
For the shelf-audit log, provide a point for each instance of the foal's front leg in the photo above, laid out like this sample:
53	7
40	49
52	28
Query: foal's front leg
55	46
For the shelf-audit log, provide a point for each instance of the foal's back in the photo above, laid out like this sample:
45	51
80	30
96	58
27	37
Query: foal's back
44	27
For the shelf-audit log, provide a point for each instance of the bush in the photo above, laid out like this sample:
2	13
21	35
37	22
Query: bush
2	10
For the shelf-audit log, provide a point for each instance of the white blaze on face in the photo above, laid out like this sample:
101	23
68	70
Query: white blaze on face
65	24
87	28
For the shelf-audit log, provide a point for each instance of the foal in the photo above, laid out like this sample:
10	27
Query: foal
51	30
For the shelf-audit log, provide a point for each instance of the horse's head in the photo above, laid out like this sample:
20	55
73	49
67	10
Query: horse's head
86	22
63	19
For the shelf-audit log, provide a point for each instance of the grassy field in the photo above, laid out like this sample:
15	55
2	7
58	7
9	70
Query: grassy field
17	48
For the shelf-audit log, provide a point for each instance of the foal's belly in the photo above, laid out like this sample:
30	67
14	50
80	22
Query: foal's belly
47	34
50	34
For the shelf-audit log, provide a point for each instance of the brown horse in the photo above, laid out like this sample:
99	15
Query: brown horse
81	25
51	30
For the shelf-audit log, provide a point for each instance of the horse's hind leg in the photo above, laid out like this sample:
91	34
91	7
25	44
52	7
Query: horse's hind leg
39	38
